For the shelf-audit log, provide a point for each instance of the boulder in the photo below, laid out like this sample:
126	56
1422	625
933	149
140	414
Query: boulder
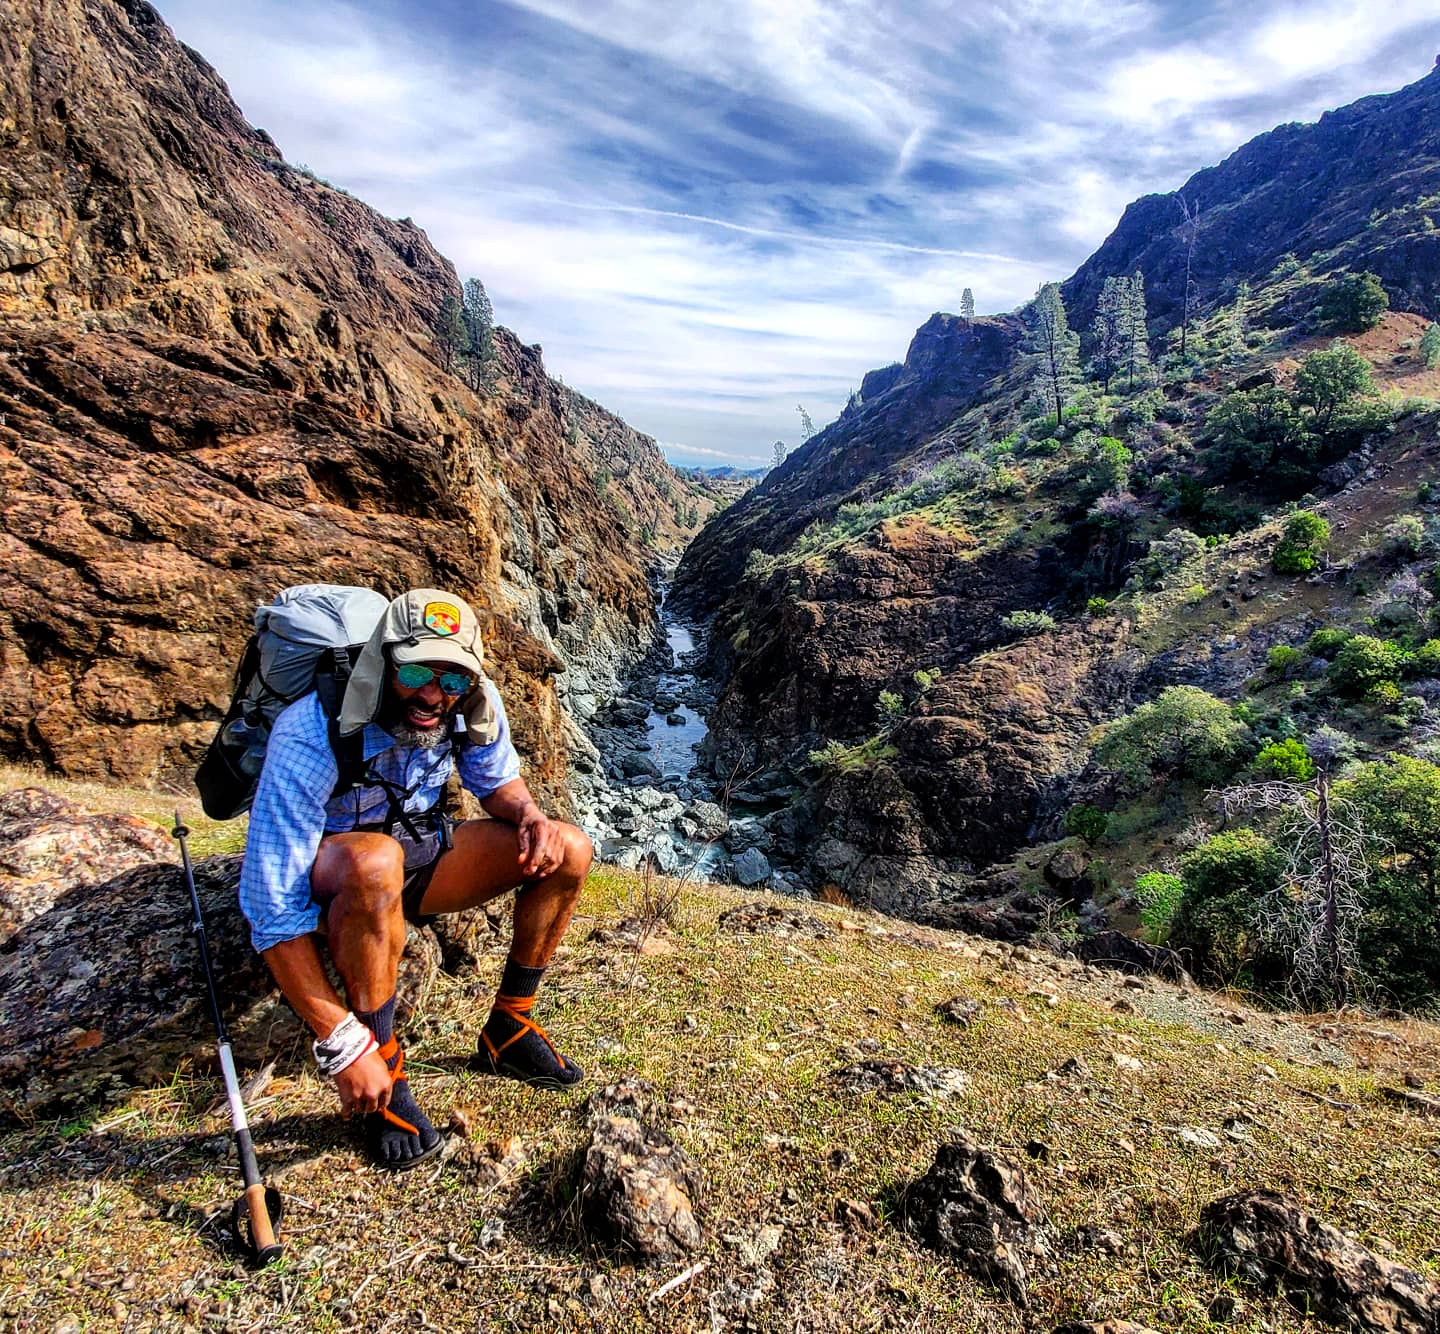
747	833
635	765
49	845
980	1207
1114	949
709	820
1270	1240
884	1075
638	1190
751	867
103	992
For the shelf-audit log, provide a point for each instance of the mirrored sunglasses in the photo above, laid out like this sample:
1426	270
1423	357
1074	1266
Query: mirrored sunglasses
414	675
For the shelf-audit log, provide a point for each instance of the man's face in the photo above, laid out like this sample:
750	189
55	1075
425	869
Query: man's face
421	715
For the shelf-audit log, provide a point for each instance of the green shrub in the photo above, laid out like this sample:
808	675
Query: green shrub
1028	622
1430	347
1303	539
891	707
1087	822
1287	759
1385	694
1404	538
1176	548
1425	661
1329	383
1254	428
1328	642
1185	730
1098	606
1282	659
1353	303
1364	664
1159	896
1217	922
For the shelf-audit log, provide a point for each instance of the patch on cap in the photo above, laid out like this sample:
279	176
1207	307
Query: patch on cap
442	617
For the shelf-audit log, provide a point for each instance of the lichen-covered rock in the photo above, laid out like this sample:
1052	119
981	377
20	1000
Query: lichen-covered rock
882	1075
103	992
49	845
638	1189
1269	1239
980	1207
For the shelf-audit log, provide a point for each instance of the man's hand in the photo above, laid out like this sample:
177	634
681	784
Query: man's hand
542	846
364	1085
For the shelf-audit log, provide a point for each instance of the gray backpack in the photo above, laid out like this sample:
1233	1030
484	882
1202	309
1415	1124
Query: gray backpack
306	639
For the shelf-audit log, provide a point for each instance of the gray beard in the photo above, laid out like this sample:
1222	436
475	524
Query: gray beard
423	738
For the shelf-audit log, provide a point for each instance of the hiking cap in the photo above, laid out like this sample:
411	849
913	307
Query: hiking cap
423	625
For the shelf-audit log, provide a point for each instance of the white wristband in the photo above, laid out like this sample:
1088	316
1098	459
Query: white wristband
347	1042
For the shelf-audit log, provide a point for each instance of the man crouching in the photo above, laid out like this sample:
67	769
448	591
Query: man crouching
353	862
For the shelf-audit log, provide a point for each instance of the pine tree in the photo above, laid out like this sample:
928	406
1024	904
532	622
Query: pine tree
807	427
778	453
1053	348
479	319
449	330
1135	329
1109	330
967	304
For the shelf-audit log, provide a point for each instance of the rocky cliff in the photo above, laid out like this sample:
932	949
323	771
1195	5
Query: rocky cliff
911	685
218	376
1345	192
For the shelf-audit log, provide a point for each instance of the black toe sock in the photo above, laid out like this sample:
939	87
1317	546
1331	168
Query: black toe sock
513	1045
401	1135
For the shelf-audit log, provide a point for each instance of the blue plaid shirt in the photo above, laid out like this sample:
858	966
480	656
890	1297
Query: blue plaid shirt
293	808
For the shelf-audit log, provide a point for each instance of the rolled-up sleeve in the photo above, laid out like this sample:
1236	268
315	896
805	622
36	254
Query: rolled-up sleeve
483	769
287	822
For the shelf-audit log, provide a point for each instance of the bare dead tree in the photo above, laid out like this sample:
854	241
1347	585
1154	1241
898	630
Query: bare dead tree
1191	214
1315	913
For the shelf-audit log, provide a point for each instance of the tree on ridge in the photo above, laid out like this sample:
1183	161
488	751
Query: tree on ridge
1053	348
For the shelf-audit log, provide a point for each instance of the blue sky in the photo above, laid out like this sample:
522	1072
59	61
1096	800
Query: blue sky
708	213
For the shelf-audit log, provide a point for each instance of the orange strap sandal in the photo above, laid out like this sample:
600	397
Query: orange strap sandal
390	1131
532	1058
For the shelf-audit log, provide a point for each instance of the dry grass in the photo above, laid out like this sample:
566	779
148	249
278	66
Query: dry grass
207	837
104	1217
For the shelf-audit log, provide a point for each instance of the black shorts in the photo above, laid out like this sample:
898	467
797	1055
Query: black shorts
421	859
422	856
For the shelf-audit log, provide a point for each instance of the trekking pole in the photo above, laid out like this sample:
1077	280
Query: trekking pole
256	1214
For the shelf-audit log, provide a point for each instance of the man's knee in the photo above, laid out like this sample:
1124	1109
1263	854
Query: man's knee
366	870
578	851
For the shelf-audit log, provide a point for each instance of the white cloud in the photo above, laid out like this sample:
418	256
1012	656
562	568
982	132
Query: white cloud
709	212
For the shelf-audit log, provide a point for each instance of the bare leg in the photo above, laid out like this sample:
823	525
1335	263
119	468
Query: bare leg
484	862
359	878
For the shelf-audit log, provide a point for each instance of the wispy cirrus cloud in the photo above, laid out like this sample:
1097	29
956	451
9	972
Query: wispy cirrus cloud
708	213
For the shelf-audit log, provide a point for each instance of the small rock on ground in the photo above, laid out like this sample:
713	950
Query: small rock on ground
979	1206
1270	1240
638	1189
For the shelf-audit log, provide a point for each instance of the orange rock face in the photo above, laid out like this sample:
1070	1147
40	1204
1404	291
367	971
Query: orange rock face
218	377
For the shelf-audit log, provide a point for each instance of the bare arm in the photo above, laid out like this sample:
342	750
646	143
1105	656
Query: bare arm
300	974
542	845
